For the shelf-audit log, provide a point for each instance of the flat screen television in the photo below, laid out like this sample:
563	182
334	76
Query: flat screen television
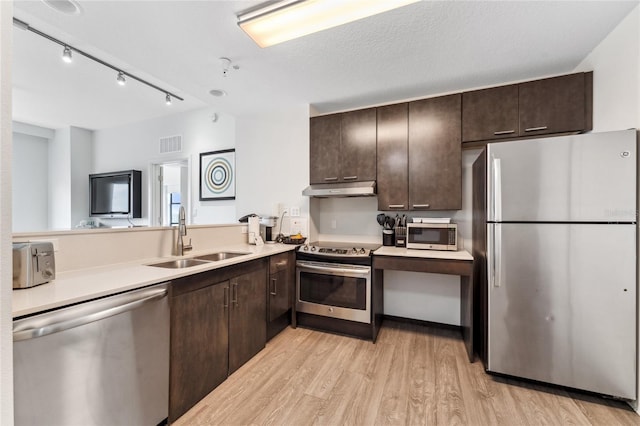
116	194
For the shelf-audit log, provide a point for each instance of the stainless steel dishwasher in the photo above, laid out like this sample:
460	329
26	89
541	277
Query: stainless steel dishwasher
103	362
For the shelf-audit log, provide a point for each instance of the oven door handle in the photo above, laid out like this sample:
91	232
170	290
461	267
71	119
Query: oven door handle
362	270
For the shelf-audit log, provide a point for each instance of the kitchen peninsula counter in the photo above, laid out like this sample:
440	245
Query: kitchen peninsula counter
437	262
86	284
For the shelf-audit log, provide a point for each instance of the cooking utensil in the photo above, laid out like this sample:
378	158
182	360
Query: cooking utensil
381	219
390	222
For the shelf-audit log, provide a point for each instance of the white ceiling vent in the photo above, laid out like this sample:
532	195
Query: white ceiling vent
171	144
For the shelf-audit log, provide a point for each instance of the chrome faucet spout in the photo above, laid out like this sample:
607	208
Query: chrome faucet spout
181	247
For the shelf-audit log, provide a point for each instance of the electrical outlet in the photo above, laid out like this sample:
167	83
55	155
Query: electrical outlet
298	225
281	209
244	229
294	211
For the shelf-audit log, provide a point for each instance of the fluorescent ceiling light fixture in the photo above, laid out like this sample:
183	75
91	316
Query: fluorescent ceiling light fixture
289	19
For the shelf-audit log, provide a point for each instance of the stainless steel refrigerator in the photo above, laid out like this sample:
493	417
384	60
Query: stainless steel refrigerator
555	240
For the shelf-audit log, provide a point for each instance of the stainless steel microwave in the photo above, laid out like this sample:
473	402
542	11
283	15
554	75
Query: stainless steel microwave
432	236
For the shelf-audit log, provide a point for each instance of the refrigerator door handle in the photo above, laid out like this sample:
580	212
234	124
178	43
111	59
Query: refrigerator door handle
496	201
497	254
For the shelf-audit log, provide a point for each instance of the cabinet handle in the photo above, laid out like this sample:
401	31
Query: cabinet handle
420	206
396	206
235	294
331	178
504	132
350	177
533	129
226	297
281	264
275	288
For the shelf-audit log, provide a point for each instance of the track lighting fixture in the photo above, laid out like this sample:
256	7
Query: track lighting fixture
67	57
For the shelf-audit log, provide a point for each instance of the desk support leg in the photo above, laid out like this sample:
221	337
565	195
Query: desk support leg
466	313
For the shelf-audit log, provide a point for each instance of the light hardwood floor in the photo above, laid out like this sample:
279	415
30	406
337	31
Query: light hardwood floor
413	375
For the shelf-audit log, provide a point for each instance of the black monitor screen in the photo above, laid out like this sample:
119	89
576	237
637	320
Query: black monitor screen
110	194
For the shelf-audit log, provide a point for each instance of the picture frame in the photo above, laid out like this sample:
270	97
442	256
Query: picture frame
218	175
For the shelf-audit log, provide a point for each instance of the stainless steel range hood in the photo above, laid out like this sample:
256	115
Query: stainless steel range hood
345	189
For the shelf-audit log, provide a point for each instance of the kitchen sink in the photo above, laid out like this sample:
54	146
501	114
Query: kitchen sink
220	256
178	264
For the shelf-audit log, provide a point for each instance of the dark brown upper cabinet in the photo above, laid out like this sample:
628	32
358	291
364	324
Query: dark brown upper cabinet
555	105
393	157
343	147
541	107
419	155
435	157
490	113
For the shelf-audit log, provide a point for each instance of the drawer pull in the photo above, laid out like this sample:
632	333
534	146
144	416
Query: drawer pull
396	206
275	288
533	129
331	178
504	132
421	206
350	177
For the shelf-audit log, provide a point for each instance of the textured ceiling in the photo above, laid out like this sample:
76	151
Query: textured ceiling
418	50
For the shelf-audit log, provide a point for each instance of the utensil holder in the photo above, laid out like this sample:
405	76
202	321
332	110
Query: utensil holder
401	236
388	237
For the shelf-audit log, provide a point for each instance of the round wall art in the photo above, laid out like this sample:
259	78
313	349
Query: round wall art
217	175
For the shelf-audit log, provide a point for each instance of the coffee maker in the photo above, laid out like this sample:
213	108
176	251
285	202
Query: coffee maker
268	230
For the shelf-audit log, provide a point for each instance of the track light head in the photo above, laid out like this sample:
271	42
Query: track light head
66	55
167	99
121	80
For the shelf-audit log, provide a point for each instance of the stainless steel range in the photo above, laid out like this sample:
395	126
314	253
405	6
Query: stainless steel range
333	280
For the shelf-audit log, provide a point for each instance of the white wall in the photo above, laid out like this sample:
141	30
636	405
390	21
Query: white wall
6	346
136	146
616	78
616	89
60	180
30	191
81	163
273	162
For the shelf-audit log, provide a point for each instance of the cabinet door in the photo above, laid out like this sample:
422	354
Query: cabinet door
199	345
248	313
324	146
392	157
435	162
358	146
552	105
490	113
278	294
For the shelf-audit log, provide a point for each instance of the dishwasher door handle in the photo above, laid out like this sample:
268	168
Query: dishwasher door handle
85	313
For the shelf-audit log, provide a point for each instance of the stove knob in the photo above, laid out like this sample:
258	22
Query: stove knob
305	248
313	248
362	251
354	250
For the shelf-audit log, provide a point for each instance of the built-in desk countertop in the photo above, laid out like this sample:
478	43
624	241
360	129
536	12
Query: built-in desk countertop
438	262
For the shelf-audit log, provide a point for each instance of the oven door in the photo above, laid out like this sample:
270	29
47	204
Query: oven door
334	290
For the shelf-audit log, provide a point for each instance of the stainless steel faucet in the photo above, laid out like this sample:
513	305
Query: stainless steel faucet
182	231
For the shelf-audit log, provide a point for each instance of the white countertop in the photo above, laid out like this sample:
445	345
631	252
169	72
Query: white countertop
423	254
78	286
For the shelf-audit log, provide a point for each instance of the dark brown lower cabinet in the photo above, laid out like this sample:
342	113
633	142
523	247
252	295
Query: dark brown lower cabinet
280	292
247	312
218	322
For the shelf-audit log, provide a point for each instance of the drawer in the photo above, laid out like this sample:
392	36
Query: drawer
279	262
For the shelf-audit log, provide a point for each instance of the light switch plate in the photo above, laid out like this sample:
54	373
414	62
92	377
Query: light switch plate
295	211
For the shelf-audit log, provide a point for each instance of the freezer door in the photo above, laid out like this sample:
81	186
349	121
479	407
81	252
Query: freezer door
562	305
580	178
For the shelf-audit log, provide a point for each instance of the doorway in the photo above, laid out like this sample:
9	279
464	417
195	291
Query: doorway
169	190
